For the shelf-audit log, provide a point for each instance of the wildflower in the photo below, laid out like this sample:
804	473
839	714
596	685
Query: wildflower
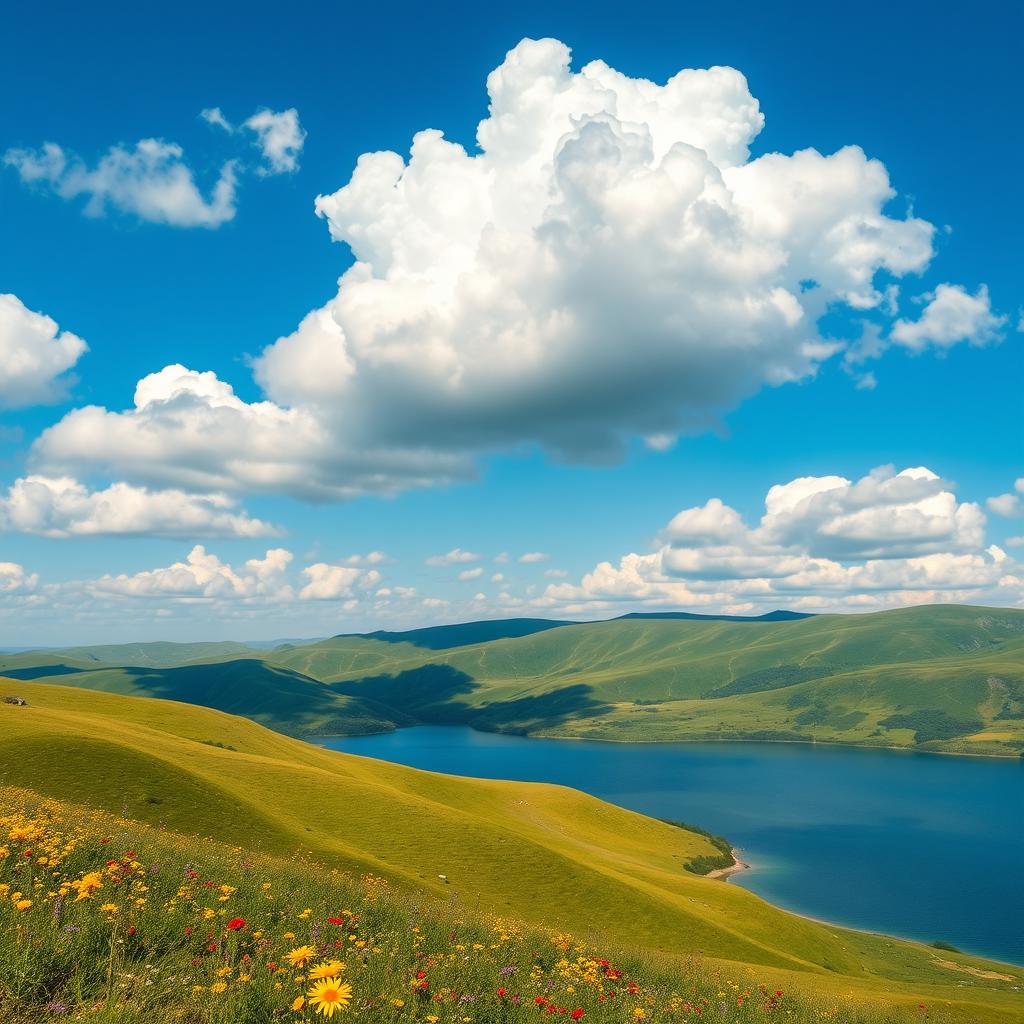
109	908
300	956
577	1014
331	969
329	995
22	904
218	986
639	1013
236	924
298	1003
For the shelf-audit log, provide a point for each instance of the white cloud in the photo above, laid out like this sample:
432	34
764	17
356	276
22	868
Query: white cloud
280	138
328	582
63	507
498	577
470	574
190	430
608	264
150	181
555	574
34	354
531	557
14	579
1009	505
370	558
215	116
454	557
883	515
823	542
204	576
952	315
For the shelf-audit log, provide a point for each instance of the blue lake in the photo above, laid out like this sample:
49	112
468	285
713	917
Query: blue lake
918	845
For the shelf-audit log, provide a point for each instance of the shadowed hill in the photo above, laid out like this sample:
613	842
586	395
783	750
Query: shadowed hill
943	677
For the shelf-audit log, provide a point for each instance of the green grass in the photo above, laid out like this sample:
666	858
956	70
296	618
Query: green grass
548	856
182	931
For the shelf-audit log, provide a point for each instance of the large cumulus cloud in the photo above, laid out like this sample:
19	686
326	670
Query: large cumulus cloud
608	263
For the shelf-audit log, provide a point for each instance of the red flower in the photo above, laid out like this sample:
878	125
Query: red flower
335	920
502	992
421	974
577	1014
188	931
539	1000
131	929
236	924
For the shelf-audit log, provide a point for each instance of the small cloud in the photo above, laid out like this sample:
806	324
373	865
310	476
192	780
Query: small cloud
150	181
555	574
280	137
470	574
214	116
454	557
534	556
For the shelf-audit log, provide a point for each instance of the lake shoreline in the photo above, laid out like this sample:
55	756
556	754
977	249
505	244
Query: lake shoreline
735	868
315	739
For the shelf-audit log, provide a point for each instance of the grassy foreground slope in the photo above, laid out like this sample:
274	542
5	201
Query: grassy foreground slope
936	678
548	856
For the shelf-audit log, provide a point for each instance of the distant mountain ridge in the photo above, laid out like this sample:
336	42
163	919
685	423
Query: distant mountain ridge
940	677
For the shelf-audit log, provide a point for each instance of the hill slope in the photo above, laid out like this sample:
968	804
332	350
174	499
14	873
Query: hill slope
543	854
937	678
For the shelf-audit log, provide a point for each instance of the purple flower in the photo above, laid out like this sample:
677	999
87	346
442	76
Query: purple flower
507	970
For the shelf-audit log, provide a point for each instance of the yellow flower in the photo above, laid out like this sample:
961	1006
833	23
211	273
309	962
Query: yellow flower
329	995
217	987
87	885
298	1003
398	1003
431	1018
640	1013
329	970
300	956
109	908
22	904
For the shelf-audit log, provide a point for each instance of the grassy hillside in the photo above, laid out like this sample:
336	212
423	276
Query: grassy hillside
939	678
544	855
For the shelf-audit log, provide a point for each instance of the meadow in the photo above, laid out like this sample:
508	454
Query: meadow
179	801
106	920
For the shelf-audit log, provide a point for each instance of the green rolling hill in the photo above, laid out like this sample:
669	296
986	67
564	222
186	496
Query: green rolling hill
945	678
545	855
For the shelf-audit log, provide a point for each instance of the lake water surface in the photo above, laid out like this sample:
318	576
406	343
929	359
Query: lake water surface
918	845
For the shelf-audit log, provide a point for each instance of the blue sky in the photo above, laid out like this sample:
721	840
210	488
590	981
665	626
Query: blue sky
929	95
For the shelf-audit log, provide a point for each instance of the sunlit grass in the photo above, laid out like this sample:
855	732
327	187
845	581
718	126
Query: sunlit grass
107	920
